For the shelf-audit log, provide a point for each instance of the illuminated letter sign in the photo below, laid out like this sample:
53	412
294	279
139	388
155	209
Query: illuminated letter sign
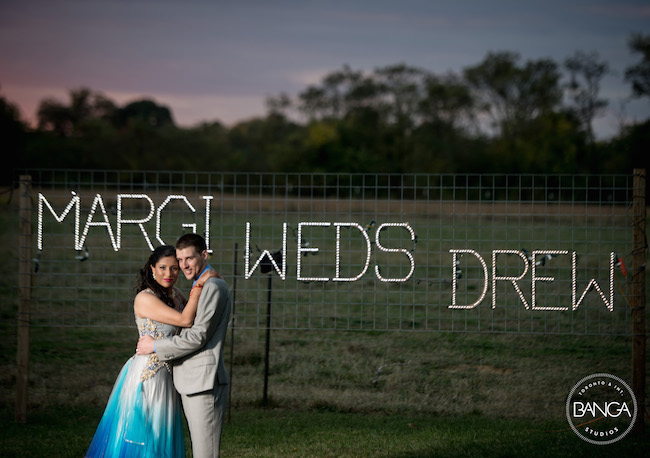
207	221
535	278
139	222
395	250
302	249
338	252
247	249
513	280
163	205
575	304
454	281
89	222
74	202
532	264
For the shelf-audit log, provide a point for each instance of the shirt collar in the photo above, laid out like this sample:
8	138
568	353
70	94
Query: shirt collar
199	276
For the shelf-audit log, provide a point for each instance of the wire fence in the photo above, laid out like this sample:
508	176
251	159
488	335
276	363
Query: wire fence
345	252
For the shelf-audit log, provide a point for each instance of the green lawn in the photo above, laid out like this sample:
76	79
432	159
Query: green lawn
445	394
257	432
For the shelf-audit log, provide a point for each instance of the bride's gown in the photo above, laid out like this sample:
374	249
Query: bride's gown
143	414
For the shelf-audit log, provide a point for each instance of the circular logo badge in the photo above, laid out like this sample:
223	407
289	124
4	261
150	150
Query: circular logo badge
601	409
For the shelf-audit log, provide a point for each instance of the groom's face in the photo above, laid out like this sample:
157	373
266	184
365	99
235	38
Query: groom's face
191	261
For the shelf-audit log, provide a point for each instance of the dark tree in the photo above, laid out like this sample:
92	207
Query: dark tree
585	74
12	135
144	111
639	74
511	94
65	120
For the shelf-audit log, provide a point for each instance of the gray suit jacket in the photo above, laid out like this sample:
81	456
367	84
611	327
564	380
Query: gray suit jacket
198	351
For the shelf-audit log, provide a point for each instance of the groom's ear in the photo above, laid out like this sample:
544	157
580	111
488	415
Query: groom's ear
205	255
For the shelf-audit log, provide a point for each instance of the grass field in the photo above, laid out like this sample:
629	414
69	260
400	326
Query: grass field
256	432
438	394
422	391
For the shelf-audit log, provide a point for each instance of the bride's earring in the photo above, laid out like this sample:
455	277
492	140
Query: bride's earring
153	274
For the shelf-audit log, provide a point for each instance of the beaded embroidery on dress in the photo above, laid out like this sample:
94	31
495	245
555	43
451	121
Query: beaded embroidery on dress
143	413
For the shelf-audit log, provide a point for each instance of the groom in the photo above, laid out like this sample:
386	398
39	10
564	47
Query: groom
199	372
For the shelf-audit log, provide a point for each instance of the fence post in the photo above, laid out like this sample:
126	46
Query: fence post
637	296
24	295
265	394
232	329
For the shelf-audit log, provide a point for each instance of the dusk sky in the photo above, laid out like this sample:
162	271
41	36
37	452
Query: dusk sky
219	60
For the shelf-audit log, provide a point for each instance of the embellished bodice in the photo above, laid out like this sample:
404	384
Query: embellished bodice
156	330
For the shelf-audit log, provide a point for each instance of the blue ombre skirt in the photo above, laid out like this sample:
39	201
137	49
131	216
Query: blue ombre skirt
143	414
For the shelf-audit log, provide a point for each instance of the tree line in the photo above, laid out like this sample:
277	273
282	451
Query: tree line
502	115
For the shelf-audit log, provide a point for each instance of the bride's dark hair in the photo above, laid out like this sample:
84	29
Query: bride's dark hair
145	275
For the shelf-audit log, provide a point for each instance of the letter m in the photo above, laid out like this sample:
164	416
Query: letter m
74	202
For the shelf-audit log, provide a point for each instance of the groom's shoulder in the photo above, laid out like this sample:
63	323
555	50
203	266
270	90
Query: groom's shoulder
216	281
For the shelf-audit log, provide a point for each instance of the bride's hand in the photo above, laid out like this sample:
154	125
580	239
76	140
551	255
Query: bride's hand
201	281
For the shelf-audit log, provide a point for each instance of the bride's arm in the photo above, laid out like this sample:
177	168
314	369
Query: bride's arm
189	312
148	305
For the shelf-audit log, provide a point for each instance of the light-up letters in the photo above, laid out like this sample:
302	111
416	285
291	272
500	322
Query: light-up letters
395	250
139	222
303	249
511	279
89	222
454	279
535	278
531	264
191	226
116	241
247	249
592	282
207	221
338	252
74	202
277	261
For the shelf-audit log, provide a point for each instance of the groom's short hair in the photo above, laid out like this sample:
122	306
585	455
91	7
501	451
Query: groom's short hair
191	240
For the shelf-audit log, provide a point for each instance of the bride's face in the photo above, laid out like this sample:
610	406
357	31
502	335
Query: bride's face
166	271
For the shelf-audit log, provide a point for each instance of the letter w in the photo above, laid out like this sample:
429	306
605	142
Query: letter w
592	282
281	271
